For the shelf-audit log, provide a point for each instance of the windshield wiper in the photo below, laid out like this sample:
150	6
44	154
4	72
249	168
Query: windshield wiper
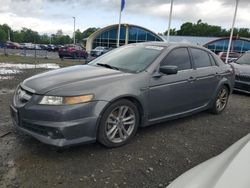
108	66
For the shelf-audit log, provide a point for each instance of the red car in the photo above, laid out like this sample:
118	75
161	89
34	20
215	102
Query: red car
12	45
73	51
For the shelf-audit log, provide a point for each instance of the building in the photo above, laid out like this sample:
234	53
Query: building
107	36
130	33
239	44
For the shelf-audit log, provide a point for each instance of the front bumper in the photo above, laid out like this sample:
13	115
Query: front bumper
59	125
242	86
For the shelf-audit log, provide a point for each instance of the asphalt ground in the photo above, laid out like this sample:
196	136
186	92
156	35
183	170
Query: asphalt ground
156	156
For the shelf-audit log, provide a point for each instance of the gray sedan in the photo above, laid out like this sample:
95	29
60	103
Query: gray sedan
109	98
242	71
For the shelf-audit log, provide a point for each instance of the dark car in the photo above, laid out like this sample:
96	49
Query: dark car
44	46
109	98
73	51
98	51
242	71
52	48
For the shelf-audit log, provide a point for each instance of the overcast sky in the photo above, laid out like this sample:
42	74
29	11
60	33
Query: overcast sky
47	16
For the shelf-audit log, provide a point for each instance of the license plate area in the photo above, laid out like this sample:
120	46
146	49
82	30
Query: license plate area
14	115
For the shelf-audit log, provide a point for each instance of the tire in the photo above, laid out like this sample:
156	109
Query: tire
113	132
221	100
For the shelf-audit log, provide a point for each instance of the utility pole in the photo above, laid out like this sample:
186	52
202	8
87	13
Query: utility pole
170	19
232	31
9	35
74	34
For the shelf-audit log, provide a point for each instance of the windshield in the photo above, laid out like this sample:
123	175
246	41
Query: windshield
244	59
99	48
130	58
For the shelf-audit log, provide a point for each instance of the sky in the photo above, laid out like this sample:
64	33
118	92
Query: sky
48	16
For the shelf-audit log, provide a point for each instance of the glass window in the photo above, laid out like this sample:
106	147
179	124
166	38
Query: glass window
178	57
201	58
212	60
141	35
132	34
244	59
113	34
130	58
150	37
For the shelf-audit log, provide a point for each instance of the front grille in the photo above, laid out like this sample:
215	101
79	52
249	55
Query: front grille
242	86
243	78
21	97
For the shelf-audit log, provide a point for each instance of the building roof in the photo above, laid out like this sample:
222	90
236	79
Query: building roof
191	39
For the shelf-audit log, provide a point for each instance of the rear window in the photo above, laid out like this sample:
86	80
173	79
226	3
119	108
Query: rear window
201	58
178	57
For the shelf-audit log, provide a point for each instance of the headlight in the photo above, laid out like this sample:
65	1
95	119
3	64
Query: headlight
55	100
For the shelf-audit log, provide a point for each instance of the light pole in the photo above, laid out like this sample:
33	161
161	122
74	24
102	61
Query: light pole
232	31
74	34
170	19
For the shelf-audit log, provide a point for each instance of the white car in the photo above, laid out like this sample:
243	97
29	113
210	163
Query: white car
230	169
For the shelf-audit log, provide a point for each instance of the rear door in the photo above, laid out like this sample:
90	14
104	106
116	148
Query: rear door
172	94
207	75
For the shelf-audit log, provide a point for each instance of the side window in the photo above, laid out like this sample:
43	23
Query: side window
178	57
201	58
212	60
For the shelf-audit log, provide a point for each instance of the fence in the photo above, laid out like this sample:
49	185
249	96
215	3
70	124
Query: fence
29	53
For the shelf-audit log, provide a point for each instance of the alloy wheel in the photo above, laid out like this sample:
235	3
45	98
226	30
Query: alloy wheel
120	124
222	98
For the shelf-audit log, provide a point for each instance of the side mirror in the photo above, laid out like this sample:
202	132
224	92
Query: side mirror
169	69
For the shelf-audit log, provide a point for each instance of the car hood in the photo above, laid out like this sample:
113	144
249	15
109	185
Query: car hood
230	169
45	82
241	69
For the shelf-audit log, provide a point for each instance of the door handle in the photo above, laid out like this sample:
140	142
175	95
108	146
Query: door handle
217	75
191	79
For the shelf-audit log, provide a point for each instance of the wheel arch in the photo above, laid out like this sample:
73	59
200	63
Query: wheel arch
131	98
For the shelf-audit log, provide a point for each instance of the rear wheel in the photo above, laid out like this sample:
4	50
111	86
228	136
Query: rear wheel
221	100
118	124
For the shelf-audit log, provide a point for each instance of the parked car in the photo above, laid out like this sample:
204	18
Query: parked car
44	46
230	169
131	86
242	71
27	46
12	45
2	45
232	56
98	51
73	51
52	48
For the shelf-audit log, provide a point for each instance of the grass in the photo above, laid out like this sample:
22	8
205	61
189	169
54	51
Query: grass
32	60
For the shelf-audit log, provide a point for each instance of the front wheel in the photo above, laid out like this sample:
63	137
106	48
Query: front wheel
221	100
118	124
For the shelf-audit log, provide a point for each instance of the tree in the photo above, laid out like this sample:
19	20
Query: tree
88	32
3	35
78	35
172	32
